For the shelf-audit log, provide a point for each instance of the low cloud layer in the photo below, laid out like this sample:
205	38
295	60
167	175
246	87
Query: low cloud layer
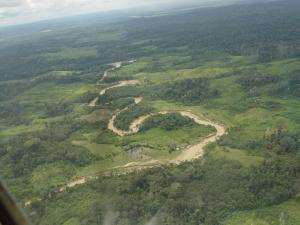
9	3
22	11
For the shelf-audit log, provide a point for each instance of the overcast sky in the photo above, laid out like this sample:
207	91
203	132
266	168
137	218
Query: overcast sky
22	11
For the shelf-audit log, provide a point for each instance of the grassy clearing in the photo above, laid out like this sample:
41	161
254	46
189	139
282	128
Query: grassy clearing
64	211
236	154
99	150
141	69
167	144
98	115
72	53
107	157
13	131
72	221
132	69
49	176
171	74
282	67
285	213
50	92
200	110
105	165
36	125
34	100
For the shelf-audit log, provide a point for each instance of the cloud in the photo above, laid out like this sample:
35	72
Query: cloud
9	3
8	14
20	11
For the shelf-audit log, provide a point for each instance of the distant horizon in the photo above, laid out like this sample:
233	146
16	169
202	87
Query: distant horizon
18	12
63	18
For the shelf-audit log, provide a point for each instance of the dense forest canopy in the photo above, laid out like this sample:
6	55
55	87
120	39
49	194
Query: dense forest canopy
269	29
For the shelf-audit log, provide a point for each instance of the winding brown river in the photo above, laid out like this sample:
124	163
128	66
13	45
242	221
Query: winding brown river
190	153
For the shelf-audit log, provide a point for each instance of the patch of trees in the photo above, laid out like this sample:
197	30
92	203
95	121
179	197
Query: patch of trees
124	119
60	130
121	103
267	53
294	84
203	192
167	122
69	79
188	91
11	111
25	154
60	77
255	84
87	97
277	141
120	92
105	137
57	109
34	152
268	182
11	89
256	80
113	79
288	87
280	141
271	105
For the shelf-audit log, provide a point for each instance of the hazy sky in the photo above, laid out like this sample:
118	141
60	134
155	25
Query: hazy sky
20	11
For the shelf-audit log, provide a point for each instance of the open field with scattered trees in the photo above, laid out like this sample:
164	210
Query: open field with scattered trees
237	66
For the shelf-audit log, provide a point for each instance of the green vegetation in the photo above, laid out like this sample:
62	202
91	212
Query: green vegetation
237	66
122	92
285	213
125	118
187	91
167	122
197	192
237	155
162	144
72	53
